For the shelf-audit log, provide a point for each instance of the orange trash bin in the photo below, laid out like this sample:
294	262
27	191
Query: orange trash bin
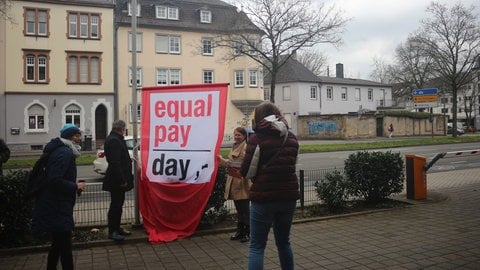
416	177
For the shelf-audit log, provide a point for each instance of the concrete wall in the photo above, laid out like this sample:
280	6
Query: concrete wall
341	126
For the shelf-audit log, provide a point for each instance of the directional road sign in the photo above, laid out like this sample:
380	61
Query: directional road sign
423	92
425	105
425	98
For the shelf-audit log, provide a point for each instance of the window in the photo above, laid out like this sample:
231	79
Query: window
239	80
205	16
139	76
36	118
167	76
313	92
207	76
344	93
173	13
444	110
357	94
253	78
83	25
167	44
83	68
36	66
329	93
139	41
237	47
286	92
139	113
164	12
370	94
207	46
266	94
36	22
252	47
72	115
130	9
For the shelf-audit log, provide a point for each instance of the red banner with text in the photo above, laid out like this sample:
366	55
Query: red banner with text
181	134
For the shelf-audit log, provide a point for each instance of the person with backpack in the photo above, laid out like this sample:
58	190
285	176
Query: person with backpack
4	154
53	204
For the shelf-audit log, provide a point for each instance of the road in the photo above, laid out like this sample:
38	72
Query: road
312	161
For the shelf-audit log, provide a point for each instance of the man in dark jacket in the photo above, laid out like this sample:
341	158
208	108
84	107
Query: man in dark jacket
53	206
118	178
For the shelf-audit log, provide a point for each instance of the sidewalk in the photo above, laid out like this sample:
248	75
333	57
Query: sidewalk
442	232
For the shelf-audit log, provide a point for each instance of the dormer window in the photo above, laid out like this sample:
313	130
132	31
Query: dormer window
130	9
168	13
205	16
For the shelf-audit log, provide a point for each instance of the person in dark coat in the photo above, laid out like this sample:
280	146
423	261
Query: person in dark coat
118	178
53	206
4	154
275	188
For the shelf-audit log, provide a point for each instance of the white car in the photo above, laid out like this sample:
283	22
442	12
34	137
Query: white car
100	164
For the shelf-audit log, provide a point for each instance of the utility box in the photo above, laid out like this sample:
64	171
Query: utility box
416	177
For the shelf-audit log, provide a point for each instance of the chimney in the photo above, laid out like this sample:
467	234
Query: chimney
339	71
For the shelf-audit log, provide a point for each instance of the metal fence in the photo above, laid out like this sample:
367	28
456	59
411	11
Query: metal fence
92	206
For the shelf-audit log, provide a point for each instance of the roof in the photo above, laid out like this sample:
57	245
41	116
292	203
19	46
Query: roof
225	17
294	71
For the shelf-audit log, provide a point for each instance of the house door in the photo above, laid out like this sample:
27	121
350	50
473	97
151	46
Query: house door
380	130
101	128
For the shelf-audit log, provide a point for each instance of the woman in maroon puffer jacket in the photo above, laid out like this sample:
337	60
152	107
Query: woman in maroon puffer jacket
275	190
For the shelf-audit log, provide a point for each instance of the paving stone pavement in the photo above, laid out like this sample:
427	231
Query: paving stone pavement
442	232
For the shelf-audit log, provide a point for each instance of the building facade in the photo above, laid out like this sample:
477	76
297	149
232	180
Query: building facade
176	44
56	68
299	92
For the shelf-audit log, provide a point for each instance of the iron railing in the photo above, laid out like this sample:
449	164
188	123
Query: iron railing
92	206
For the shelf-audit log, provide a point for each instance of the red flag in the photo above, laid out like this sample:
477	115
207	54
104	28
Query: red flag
182	131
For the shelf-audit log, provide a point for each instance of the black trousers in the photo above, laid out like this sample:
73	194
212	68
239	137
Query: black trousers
115	211
61	248
243	211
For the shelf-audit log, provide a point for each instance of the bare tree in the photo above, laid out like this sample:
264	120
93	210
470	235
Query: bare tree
381	71
314	60
287	26
452	39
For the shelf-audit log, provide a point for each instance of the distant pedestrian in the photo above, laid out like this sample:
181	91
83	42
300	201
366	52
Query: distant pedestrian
275	188
118	178
53	206
390	130
4	154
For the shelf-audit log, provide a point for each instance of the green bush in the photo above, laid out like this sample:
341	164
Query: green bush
374	175
332	191
216	211
15	210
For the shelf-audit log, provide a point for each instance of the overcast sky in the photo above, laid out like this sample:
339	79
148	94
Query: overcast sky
376	29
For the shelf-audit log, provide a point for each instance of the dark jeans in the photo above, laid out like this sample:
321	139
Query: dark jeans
61	248
115	211
243	211
263	216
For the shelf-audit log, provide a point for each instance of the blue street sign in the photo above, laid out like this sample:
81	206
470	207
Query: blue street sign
427	91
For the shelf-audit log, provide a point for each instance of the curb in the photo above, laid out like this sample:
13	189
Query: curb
433	197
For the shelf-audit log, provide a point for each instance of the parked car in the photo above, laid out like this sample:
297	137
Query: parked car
460	131
100	164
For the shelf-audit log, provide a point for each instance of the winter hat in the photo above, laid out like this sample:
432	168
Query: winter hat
69	130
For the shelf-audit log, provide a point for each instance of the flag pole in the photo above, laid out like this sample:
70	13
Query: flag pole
134	108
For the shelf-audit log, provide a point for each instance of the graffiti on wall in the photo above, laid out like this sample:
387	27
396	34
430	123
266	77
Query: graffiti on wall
318	126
